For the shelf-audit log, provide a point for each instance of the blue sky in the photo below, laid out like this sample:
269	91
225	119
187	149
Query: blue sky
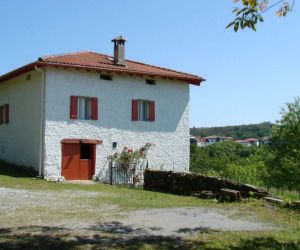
250	75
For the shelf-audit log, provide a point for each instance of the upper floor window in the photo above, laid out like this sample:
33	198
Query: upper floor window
4	114
143	110
84	108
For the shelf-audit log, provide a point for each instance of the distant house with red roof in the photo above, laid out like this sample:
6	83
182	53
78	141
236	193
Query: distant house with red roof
198	140
213	139
205	141
65	114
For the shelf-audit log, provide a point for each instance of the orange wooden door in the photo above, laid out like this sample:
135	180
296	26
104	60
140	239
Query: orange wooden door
87	162
85	170
70	160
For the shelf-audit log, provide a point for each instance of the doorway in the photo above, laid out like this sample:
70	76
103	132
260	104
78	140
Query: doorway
78	160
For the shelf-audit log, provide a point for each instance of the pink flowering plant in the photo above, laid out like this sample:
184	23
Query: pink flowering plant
128	158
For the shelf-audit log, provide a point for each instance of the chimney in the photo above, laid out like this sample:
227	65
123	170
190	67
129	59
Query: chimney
119	50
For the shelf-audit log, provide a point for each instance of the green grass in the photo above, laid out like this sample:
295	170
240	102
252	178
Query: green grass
280	240
287	236
126	198
286	195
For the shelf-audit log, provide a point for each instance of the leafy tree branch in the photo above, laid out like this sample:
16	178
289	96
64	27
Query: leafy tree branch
250	12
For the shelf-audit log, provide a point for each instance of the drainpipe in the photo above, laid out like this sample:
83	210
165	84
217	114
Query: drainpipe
41	157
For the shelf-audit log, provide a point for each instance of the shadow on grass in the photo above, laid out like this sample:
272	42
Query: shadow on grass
196	230
118	236
116	227
34	237
266	243
16	171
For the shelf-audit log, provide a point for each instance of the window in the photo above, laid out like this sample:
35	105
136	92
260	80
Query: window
84	108
4	114
114	145
143	110
106	77
150	81
85	151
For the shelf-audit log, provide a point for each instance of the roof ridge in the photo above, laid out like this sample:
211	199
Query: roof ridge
63	54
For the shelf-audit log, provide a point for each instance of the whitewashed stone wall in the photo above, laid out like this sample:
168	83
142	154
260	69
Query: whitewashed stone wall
169	133
20	139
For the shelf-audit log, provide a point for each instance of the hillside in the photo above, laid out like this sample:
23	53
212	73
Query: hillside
236	131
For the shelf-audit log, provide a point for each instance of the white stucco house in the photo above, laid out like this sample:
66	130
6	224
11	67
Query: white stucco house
198	140
63	115
213	139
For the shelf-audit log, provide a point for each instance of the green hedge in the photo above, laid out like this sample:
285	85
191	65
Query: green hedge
187	183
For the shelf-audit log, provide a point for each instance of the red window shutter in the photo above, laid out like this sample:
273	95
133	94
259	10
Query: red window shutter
6	113
74	107
135	110
151	111
94	108
1	114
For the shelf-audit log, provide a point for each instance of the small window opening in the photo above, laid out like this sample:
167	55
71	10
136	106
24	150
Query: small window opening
85	151
28	77
114	145
3	113
150	81
106	77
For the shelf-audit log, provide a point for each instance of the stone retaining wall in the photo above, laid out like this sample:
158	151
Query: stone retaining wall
187	183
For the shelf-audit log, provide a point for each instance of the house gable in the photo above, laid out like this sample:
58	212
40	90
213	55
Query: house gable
168	133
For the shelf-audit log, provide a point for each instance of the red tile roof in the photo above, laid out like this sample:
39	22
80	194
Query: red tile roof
251	140
247	140
103	63
200	139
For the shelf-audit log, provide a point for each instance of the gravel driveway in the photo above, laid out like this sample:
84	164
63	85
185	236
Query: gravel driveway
24	208
188	220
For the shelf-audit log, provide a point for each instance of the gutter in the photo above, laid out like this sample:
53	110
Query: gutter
42	127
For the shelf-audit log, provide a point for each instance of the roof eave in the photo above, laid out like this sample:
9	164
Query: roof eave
17	72
191	80
194	80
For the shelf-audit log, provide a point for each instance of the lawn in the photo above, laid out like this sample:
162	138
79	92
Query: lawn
36	214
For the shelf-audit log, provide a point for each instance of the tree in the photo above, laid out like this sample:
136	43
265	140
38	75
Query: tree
230	160
236	131
215	157
284	166
251	12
